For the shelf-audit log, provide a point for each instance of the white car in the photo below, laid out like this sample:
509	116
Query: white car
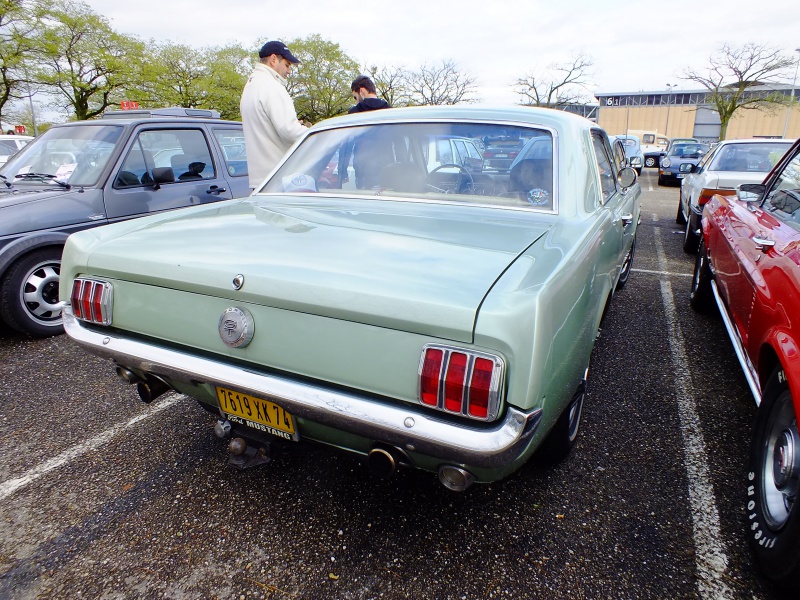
730	164
9	144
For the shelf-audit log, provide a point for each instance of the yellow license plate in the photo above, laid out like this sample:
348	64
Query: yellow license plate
257	413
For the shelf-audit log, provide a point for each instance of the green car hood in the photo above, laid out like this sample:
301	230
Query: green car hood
401	265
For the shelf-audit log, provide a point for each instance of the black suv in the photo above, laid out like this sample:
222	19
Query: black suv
89	173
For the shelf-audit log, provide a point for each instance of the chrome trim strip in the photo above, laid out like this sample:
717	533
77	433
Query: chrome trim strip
749	371
405	427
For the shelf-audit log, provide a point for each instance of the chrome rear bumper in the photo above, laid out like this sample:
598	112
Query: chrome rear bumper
402	426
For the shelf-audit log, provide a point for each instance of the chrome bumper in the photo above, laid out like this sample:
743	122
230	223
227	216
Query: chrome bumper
401	426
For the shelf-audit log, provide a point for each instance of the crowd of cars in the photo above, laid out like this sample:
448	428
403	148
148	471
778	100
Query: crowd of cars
420	287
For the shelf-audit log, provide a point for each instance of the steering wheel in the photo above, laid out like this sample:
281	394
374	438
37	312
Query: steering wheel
459	184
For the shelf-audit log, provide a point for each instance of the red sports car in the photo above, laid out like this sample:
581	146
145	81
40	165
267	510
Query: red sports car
749	266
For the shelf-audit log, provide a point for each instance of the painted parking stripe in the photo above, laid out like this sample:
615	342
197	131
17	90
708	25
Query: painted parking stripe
661	273
12	485
711	560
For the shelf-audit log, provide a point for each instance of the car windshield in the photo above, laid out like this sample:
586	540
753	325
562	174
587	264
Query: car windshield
756	158
688	150
65	155
426	161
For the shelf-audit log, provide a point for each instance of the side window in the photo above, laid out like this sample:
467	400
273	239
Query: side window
234	152
444	152
602	152
783	199
173	155
619	154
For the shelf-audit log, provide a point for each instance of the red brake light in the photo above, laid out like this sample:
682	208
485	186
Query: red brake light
468	382
454	381
91	300
429	380
478	402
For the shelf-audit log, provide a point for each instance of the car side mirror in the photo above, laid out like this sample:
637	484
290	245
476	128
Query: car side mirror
626	177
751	192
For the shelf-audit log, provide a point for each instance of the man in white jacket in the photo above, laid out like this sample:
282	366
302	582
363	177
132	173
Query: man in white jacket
269	118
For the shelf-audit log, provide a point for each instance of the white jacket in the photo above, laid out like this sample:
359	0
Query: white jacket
269	121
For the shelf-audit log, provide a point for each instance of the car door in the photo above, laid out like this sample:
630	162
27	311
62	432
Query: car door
753	240
621	206
164	167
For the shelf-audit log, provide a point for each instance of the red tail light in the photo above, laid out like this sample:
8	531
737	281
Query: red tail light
92	300
460	381
707	193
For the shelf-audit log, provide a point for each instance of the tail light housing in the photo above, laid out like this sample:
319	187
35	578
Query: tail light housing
92	300
459	381
707	193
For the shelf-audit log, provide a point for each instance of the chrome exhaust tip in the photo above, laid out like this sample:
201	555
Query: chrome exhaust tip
455	478
151	388
127	375
381	463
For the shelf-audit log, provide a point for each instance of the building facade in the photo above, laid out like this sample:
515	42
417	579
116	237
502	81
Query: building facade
689	114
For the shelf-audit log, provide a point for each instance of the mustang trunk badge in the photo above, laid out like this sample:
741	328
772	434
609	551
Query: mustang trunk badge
236	327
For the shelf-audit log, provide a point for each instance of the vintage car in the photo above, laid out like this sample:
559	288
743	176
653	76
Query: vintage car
633	151
748	266
730	164
443	326
88	173
679	161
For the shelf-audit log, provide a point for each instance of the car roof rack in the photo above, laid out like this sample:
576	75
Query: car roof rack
177	111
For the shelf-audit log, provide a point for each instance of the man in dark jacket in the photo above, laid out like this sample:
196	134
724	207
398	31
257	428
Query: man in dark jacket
366	95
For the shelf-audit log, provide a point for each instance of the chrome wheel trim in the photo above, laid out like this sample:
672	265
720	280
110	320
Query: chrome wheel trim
574	417
780	466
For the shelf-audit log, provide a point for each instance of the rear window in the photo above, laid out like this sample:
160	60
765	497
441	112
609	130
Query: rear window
425	161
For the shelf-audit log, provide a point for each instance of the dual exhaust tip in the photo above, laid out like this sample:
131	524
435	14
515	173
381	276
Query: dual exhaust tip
383	461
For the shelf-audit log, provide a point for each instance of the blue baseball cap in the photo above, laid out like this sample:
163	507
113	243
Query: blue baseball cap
279	48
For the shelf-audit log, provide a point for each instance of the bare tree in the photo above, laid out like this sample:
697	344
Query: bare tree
738	78
560	85
440	84
391	84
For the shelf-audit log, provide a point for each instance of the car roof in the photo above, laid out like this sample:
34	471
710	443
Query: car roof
757	141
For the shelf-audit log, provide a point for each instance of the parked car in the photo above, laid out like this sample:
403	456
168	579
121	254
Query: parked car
10	144
654	145
88	173
500	151
449	331
633	151
747	266
729	164
679	161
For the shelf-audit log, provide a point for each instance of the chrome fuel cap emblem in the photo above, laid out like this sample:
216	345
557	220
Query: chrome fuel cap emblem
238	282
236	327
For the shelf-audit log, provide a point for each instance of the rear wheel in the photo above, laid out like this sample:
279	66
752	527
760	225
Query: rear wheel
691	238
701	297
679	218
564	433
773	482
649	162
29	294
626	266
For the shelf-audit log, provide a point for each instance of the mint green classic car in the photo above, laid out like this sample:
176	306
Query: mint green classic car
376	294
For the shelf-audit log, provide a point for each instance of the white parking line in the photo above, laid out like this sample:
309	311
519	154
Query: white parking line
711	560
12	485
662	273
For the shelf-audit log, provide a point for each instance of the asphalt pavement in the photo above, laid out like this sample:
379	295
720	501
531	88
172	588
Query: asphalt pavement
102	496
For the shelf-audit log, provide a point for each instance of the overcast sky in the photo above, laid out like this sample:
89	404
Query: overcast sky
635	45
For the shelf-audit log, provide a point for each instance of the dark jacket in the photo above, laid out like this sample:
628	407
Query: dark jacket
369	104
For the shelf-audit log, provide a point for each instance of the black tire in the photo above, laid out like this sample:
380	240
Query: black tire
661	180
639	172
625	272
691	239
29	294
679	218
773	509
701	296
649	162
563	435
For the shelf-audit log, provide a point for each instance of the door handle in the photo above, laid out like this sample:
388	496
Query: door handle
763	244
626	219
215	189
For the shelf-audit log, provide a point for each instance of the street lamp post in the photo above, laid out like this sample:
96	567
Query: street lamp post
791	97
670	87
